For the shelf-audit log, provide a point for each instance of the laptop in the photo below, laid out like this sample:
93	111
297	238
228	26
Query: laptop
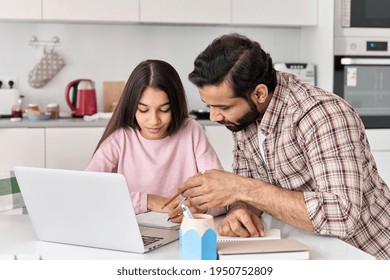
92	209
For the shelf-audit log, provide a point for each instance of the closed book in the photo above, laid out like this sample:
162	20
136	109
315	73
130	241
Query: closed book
272	249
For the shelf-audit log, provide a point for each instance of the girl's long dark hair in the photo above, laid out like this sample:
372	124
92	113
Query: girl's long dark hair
159	75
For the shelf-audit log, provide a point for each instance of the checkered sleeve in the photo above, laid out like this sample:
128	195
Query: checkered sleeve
331	143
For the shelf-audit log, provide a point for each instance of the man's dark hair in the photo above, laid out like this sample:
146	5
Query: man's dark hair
237	59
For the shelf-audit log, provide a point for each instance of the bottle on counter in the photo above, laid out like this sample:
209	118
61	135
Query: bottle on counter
54	110
16	112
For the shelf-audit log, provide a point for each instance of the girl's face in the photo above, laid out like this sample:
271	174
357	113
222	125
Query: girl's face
153	114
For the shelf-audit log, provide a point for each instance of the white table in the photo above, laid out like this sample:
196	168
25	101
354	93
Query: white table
17	237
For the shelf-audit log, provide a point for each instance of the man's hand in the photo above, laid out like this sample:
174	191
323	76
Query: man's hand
173	209
176	212
241	221
214	188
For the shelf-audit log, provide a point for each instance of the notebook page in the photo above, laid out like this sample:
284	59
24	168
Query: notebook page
270	233
156	219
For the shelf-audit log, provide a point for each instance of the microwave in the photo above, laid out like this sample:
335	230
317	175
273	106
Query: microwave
362	58
362	27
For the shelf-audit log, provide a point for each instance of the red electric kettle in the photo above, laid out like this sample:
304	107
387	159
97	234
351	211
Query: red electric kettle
83	99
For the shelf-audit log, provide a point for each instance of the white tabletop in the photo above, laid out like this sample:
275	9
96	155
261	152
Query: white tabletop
17	237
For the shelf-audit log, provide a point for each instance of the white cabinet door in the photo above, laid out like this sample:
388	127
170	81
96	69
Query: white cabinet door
91	10
186	11
275	12
380	146
222	141
379	139
382	160
21	146
20	9
71	148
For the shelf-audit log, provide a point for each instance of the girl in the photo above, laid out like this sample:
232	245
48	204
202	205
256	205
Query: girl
151	140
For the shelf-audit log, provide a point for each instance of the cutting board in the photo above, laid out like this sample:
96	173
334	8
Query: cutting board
112	91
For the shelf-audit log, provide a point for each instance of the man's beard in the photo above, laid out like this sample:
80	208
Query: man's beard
244	122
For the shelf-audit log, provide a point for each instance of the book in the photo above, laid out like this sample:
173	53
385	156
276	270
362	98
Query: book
271	249
156	220
270	233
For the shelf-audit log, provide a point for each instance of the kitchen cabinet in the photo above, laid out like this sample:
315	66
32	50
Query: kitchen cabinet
185	11
91	10
379	142
275	12
21	146
222	141
236	12
71	148
20	9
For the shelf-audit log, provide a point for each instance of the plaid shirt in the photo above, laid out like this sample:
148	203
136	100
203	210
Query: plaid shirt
316	144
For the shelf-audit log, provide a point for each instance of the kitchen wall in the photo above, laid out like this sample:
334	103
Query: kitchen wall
104	52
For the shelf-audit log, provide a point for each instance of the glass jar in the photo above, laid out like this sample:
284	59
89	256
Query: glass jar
54	110
32	107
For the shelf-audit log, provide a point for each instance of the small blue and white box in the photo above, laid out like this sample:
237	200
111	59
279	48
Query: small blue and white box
198	238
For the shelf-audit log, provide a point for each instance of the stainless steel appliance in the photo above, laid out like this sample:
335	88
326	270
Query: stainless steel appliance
361	25
305	71
362	58
8	98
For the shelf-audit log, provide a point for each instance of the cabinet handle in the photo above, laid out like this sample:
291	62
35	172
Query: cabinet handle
365	61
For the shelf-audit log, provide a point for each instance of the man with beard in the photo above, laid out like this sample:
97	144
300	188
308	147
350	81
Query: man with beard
300	153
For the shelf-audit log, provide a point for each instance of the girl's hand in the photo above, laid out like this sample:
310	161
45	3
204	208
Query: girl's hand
176	213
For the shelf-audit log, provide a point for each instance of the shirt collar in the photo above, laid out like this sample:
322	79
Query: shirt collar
275	106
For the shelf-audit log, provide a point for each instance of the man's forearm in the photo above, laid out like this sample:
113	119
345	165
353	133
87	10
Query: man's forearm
285	205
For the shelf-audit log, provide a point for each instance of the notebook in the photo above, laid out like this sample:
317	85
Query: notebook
92	209
271	249
157	220
270	233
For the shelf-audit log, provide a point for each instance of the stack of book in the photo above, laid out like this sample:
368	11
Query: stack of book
270	247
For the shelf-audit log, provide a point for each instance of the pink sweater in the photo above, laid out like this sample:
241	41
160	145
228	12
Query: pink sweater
155	166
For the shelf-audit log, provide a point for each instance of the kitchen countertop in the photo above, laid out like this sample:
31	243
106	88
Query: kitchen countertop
62	122
66	122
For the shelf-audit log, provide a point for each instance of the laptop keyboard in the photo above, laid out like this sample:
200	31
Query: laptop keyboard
150	239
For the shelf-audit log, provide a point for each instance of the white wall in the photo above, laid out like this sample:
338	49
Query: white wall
316	44
109	52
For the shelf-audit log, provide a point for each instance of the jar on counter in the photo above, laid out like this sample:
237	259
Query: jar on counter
54	110
32	107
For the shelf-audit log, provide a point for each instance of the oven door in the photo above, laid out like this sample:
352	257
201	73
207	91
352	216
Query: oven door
364	82
370	13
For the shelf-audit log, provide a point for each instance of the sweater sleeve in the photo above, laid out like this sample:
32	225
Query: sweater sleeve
107	158
206	158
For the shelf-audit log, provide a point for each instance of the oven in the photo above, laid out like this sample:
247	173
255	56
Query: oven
362	58
364	82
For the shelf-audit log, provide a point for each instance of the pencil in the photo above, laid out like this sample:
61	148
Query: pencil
176	195
170	200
